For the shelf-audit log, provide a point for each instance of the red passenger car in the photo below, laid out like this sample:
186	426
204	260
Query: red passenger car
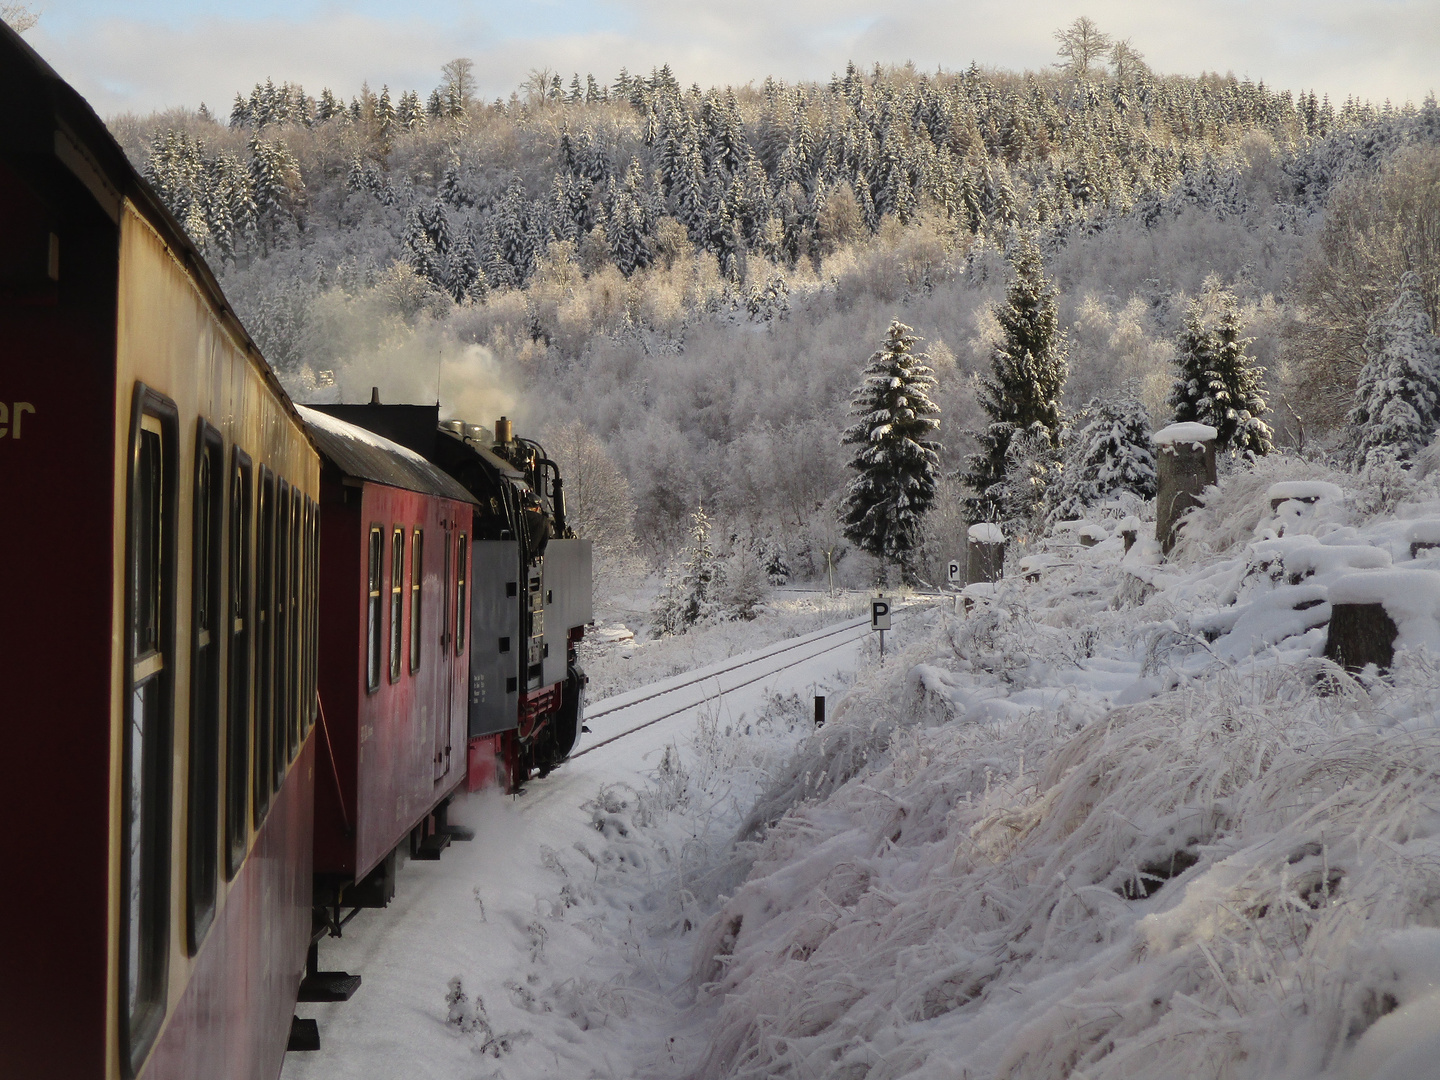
394	656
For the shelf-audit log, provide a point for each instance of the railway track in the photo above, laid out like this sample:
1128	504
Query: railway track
847	634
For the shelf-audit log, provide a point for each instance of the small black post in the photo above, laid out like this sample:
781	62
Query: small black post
819	710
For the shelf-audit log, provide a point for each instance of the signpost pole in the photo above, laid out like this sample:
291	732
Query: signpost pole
880	620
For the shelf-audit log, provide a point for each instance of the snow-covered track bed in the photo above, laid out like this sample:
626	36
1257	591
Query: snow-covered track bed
688	692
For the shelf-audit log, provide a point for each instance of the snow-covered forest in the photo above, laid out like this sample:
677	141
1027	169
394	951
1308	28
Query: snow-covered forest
684	284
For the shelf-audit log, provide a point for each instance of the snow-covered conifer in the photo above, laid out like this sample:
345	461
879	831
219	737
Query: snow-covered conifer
384	111
240	113
1397	399
896	458
691	595
1218	382
1032	469
276	183
1107	453
1028	368
328	107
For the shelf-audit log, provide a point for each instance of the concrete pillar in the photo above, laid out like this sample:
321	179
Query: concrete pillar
984	553
1185	463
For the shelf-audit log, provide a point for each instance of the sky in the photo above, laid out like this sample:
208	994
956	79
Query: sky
142	55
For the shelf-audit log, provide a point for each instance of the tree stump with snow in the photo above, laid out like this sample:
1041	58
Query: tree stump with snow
1423	536
1375	612
1185	460
1361	634
984	553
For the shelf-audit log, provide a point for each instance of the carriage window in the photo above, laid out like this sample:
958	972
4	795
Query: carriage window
312	578
145	797
314	694
237	718
278	756
417	545
397	590
205	636
461	557
372	610
264	645
295	688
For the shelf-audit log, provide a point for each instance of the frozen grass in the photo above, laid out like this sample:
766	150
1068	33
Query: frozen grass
1122	821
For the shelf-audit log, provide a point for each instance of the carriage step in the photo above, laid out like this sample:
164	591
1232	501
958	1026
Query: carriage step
329	986
431	847
458	832
304	1035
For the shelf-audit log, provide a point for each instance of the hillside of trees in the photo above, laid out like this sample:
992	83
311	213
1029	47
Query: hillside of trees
684	284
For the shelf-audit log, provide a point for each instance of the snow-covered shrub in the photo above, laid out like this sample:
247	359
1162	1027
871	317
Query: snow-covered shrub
742	583
1230	513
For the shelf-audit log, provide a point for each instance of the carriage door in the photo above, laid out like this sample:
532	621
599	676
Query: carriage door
445	673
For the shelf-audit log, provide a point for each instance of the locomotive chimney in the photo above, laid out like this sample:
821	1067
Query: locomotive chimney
374	395
503	433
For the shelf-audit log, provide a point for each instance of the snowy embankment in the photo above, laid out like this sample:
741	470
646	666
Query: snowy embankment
1123	819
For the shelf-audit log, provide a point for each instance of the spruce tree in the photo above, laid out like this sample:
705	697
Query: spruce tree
691	595
1397	398
1028	369
896	460
1218	382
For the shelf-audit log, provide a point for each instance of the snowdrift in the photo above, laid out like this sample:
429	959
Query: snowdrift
1120	820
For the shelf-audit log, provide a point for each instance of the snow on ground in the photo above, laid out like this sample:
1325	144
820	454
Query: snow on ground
1113	817
558	942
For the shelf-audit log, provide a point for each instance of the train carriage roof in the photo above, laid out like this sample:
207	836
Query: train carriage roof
48	131
363	455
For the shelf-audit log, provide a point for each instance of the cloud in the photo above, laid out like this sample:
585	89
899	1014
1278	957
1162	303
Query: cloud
1375	50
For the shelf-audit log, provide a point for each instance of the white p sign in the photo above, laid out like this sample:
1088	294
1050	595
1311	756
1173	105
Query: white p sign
954	571
880	614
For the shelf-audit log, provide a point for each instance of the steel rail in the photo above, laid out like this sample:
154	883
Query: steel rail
726	690
808	639
696	704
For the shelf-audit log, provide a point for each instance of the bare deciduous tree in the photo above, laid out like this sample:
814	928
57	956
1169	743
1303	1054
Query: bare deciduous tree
19	17
1126	59
598	502
459	80
537	85
1376	229
1081	45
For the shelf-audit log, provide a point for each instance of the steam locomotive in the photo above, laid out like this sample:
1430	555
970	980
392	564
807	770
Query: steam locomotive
251	650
